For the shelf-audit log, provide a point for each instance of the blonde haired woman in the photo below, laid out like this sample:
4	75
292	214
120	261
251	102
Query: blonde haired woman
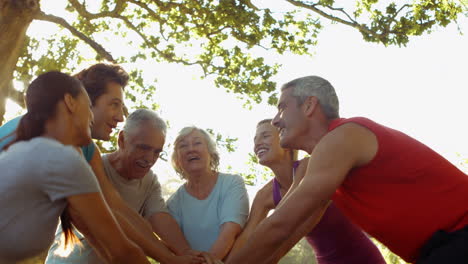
211	207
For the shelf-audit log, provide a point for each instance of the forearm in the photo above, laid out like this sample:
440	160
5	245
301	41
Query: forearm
297	235
240	241
166	227
225	240
142	235
256	217
221	247
273	234
131	255
91	215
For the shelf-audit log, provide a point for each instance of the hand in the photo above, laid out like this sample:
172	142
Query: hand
187	259
210	259
196	253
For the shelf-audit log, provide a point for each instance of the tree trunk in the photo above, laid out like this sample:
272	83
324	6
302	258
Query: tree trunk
15	18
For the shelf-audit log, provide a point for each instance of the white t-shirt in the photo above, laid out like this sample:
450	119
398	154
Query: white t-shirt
36	178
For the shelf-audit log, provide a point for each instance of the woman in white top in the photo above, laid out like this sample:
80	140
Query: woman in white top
44	177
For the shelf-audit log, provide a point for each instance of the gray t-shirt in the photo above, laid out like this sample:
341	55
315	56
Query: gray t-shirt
36	178
142	195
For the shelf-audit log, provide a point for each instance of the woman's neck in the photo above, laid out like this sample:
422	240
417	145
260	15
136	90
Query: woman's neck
200	185
283	171
58	130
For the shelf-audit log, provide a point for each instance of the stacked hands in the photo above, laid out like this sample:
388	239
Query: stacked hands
196	257
115	200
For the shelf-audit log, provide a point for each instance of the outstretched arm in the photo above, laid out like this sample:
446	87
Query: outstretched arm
294	238
262	204
225	240
133	225
169	231
307	226
90	214
346	147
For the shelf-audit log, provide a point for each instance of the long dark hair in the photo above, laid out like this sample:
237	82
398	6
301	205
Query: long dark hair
42	97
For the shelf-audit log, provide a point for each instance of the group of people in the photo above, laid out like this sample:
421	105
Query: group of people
362	179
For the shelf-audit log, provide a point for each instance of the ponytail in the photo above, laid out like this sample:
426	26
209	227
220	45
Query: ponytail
30	126
67	229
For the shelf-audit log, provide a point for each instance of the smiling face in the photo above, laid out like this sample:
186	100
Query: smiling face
290	119
140	149
108	111
192	153
266	145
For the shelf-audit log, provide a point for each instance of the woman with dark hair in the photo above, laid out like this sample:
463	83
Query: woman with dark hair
335	240
44	176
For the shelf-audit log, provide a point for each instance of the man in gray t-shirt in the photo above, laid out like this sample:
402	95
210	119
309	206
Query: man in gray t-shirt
129	169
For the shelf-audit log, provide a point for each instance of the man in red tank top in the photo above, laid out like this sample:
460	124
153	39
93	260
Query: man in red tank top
395	188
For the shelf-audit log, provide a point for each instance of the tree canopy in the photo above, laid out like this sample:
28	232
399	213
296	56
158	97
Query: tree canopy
221	37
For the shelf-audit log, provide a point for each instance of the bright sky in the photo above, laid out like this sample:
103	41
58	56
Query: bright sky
419	89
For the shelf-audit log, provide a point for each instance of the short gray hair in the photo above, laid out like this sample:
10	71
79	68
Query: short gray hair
212	150
144	115
318	87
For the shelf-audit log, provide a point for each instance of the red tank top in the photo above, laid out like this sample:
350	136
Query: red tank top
405	194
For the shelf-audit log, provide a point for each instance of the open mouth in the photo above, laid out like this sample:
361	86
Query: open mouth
193	158
143	164
261	151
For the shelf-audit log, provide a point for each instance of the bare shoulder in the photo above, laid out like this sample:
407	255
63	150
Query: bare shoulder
350	141
266	190
301	169
264	196
349	131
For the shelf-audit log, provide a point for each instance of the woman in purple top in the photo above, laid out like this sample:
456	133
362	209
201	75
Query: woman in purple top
334	239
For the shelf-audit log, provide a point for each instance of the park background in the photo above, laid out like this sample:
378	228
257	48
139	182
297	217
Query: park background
418	88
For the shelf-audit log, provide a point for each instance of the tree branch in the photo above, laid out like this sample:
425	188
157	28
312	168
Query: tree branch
399	10
351	23
81	9
62	22
152	13
344	12
392	19
251	5
145	39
